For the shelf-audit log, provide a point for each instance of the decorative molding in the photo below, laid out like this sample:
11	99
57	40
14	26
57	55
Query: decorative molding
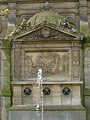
17	64
45	30
48	33
75	64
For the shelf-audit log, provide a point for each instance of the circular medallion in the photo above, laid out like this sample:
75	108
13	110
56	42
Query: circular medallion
27	91
46	91
66	91
45	32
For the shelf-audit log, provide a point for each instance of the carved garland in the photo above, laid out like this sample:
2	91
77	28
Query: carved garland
75	62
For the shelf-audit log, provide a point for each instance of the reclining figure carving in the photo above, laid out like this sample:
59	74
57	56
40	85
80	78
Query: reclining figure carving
66	23
23	26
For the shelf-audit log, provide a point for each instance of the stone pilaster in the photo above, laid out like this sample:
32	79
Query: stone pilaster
83	16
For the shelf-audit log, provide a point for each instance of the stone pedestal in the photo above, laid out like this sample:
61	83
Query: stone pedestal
50	113
56	97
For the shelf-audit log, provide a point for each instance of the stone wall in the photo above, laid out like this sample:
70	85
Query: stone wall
19	9
56	96
87	78
3	28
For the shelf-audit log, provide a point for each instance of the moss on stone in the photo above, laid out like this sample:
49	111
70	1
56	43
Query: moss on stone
6	81
10	29
49	16
8	106
87	92
6	48
6	87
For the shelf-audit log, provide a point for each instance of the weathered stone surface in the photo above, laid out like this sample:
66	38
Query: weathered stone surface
87	105
56	96
87	67
49	115
77	10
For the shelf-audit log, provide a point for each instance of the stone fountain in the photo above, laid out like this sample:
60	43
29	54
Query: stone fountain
41	44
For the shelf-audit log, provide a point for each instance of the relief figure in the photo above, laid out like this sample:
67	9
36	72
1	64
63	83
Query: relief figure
51	63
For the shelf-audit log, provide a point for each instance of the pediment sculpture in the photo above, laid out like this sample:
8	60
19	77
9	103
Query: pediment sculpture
46	24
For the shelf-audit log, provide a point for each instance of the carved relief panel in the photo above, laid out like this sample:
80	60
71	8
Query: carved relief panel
58	63
53	64
48	34
75	62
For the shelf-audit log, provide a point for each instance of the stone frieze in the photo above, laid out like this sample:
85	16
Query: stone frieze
53	64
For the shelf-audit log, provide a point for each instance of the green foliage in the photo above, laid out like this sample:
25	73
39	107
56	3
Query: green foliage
86	42
84	29
87	38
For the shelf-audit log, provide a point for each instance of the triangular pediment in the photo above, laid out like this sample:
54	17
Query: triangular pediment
47	32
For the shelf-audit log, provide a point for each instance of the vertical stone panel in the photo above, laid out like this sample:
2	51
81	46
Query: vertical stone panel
27	99
83	17
89	21
87	67
17	62
87	79
66	99
47	99
17	97
36	95
87	105
76	99
56	95
75	62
